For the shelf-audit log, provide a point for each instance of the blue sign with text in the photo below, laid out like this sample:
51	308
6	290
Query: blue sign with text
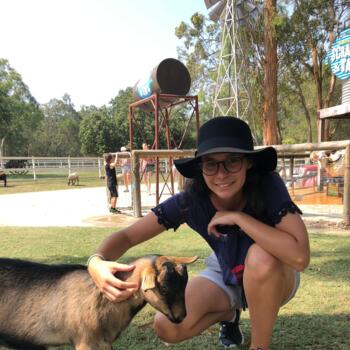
144	88
339	55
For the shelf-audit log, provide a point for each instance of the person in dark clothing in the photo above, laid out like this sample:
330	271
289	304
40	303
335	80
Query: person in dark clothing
112	182
240	206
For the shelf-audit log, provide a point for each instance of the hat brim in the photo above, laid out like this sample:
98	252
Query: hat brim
264	159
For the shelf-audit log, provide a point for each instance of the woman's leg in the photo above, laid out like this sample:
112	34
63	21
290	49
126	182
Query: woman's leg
126	181
267	283
206	304
148	181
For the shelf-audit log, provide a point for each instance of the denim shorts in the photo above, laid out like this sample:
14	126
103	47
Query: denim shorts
235	293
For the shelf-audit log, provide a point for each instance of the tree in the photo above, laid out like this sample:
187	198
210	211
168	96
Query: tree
200	46
304	40
58	134
97	132
269	116
19	112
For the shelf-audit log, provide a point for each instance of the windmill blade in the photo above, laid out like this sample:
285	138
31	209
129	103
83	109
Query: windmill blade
216	12
210	3
246	9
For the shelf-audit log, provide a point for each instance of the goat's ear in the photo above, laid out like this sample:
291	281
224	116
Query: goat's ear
148	280
184	260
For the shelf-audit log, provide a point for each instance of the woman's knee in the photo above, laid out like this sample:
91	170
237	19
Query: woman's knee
260	264
166	331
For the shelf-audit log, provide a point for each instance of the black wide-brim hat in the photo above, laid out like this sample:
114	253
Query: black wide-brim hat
226	135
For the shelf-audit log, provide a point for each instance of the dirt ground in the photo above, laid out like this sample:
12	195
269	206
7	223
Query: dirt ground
88	207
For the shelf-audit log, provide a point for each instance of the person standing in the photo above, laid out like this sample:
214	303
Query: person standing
112	182
126	169
147	167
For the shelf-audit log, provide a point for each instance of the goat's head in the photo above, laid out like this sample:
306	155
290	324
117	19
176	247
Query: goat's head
163	283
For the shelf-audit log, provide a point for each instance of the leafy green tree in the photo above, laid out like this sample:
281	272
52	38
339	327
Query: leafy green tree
97	132
19	113
200	42
304	39
58	134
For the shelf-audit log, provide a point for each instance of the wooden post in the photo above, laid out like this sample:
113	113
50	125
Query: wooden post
346	196
291	171
136	187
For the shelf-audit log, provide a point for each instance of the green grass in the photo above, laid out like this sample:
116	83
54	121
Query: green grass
317	318
49	181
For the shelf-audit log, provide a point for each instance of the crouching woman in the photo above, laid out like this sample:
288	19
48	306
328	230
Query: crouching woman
242	209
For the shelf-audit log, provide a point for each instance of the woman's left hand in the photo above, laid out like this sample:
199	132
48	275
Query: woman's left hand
221	218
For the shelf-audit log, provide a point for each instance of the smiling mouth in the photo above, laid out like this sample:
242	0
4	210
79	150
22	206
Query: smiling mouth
225	185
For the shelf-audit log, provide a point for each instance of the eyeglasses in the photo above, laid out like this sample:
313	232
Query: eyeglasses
231	165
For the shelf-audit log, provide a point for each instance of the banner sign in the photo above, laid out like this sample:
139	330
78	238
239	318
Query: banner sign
339	55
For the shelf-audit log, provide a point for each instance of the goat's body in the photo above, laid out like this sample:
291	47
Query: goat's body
49	305
3	177
73	179
62	306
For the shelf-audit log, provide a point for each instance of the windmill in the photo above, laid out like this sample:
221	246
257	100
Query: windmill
231	96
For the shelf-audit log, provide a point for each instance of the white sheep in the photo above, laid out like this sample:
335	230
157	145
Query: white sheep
73	179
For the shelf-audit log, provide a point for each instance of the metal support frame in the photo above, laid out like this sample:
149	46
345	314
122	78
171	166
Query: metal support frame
231	96
162	106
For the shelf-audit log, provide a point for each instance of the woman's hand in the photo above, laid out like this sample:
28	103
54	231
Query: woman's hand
102	273
221	218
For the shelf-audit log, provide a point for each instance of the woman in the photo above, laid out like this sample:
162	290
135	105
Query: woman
242	209
126	169
147	167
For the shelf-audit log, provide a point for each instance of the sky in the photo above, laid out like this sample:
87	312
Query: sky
89	49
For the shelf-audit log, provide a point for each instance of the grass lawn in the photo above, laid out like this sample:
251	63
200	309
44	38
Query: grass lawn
317	318
49	181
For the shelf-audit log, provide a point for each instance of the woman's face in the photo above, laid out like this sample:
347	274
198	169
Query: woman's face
225	174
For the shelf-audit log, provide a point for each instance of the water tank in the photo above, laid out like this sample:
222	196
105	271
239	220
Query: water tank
345	94
170	76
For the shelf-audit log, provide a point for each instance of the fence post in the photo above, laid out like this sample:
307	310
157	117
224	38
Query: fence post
33	164
99	168
346	195
68	165
136	187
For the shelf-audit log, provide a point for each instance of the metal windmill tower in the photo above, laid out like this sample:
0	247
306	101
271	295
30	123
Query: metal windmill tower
231	96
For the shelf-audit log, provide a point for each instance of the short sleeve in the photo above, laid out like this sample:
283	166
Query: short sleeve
277	199
172	212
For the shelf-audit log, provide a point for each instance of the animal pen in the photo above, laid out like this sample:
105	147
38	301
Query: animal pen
289	157
310	187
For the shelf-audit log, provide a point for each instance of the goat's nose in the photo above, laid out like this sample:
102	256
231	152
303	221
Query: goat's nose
179	318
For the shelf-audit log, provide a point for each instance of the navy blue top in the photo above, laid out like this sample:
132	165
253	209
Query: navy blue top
231	249
111	176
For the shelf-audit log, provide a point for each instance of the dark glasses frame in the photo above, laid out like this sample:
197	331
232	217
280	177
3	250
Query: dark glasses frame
224	164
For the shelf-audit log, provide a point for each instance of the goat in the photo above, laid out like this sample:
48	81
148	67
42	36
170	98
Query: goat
3	177
73	179
50	305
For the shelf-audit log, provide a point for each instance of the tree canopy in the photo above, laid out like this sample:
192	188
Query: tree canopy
301	33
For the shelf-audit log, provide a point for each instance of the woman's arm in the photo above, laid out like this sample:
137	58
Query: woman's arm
113	247
288	240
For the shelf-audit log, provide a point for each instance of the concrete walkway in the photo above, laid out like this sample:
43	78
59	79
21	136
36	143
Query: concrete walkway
88	207
73	207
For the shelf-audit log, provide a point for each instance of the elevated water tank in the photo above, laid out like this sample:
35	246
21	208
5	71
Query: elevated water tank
170	76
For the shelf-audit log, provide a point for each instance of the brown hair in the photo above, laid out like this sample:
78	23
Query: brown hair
108	157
